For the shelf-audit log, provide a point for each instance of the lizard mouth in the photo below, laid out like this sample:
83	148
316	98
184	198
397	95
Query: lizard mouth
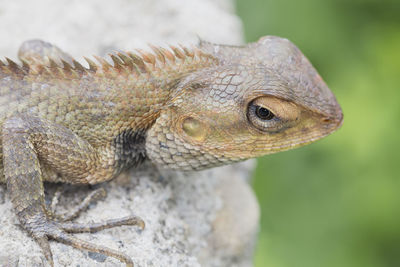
336	117
331	125
328	126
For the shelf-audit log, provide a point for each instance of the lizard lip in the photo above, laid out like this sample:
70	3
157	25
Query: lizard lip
336	120
333	117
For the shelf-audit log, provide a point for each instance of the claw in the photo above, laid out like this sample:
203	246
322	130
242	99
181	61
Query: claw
71	227
61	236
54	231
43	228
94	196
43	242
141	224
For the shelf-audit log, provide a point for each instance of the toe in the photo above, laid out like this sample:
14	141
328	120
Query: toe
43	242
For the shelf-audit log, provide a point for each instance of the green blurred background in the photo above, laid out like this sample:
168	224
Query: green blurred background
336	202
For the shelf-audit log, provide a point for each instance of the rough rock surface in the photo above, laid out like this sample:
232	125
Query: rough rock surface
201	219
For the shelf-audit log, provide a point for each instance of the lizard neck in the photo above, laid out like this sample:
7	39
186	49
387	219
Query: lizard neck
145	90
146	82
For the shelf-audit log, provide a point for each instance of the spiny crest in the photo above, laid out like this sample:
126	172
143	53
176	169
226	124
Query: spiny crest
123	63
10	67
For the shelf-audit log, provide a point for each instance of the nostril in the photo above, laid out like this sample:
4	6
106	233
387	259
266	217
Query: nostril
326	120
333	120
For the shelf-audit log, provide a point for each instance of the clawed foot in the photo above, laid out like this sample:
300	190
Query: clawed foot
92	197
57	227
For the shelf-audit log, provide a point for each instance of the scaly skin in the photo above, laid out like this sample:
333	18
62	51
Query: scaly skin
183	109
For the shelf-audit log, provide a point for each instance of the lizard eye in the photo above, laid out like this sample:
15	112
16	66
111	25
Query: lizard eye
264	113
262	118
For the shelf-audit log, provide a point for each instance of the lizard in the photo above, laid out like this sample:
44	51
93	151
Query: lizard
181	108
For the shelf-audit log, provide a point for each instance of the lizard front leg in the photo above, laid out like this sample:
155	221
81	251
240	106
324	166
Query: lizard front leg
28	143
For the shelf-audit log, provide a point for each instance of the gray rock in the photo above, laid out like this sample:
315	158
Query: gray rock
199	219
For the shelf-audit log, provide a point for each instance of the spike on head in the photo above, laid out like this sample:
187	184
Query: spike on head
104	64
78	67
118	63
178	52
52	63
147	57
12	64
168	54
65	65
25	66
12	67
138	63
157	51
187	52
92	65
127	61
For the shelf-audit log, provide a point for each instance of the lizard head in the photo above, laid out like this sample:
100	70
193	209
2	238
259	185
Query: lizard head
259	99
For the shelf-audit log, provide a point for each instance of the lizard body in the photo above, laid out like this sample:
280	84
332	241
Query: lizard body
183	109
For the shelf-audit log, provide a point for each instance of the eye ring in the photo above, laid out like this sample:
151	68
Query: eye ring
263	118
264	113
